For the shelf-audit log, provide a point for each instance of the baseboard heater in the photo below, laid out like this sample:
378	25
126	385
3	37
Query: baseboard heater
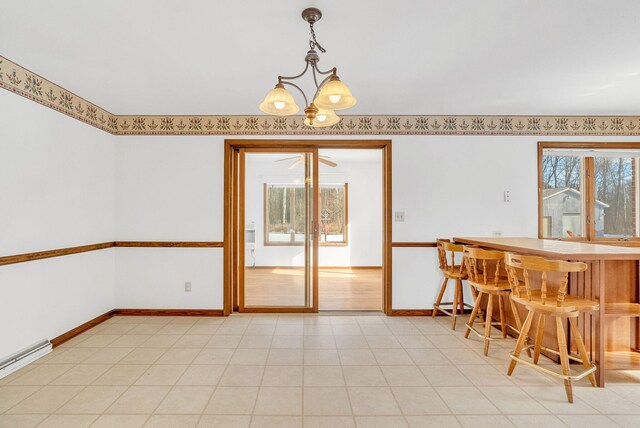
24	357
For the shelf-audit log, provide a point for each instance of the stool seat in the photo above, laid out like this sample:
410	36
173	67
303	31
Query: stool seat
571	303
457	272
501	285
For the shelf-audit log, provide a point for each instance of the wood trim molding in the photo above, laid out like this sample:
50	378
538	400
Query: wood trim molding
59	340
28	257
170	244
169	312
39	255
387	218
24	82
319	267
588	145
427	244
419	313
411	312
277	310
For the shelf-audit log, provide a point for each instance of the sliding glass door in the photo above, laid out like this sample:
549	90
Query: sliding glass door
278	220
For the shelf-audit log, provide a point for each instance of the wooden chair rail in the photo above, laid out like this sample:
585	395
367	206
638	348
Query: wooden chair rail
39	255
427	244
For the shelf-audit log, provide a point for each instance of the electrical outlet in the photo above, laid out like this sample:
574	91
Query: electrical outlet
507	196
187	286
399	216
497	234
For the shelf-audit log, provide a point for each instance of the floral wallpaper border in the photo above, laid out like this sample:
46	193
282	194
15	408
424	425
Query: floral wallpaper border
23	82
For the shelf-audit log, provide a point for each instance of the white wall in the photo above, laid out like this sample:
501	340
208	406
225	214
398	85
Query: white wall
153	278
169	189
45	298
57	190
451	186
364	176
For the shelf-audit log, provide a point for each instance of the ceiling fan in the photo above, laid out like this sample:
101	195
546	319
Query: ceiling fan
300	159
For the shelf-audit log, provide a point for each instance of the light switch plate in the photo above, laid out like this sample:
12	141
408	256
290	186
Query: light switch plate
399	216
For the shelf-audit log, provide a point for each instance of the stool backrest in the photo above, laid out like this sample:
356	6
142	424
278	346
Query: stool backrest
447	256
477	257
526	266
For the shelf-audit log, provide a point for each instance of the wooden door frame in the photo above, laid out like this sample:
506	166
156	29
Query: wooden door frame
231	226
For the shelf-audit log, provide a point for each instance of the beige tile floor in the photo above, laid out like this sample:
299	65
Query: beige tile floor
294	371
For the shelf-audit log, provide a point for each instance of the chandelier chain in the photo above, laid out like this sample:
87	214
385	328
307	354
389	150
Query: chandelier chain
313	43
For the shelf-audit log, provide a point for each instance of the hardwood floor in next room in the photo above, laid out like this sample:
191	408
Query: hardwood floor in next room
357	289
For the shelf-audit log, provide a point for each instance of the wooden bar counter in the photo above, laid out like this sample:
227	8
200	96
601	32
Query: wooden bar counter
612	335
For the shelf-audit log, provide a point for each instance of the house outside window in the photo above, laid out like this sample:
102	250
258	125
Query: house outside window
589	192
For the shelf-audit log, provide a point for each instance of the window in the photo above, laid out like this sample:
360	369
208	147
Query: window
546	225
285	214
562	203
589	191
571	225
615	197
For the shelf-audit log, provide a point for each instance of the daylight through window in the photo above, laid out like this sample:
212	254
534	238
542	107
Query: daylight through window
285	214
589	193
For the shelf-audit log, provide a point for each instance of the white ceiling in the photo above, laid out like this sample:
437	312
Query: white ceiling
398	57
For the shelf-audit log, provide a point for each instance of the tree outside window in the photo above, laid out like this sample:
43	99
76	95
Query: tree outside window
285	214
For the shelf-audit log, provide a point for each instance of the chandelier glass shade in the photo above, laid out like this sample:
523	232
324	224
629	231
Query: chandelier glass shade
279	102
334	95
331	94
323	118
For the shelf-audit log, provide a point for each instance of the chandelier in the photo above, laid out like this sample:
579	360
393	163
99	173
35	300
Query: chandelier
331	94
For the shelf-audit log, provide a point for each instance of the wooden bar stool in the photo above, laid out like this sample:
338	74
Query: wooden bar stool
454	272
548	302
487	275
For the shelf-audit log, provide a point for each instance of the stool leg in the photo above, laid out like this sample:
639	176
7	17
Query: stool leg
539	336
443	287
581	349
503	320
564	357
475	293
461	296
516	316
521	341
487	324
474	314
454	310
